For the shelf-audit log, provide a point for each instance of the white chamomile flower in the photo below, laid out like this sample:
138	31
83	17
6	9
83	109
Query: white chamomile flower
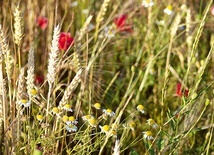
147	3
86	117
72	120
108	112
168	10
148	135
67	107
152	123
141	108
25	103
71	127
93	122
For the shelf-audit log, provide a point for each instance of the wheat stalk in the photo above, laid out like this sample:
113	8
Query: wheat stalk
72	86
18	29
8	59
20	88
30	72
53	57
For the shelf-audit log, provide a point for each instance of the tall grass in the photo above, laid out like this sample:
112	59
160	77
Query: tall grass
138	78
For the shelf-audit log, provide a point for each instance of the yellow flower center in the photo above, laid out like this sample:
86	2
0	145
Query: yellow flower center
33	92
148	133
109	111
140	107
55	110
39	117
65	118
71	118
106	128
97	105
67	106
92	121
169	7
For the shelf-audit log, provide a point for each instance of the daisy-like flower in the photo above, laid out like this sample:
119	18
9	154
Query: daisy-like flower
147	3
148	135
65	40
71	128
105	128
140	108
33	92
152	123
55	110
42	22
25	103
93	122
121	24
168	10
73	120
67	107
65	119
39	117
86	117
97	106
108	112
131	125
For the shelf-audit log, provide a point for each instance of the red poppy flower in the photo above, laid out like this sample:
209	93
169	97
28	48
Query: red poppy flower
179	91
42	22
39	79
65	40
121	24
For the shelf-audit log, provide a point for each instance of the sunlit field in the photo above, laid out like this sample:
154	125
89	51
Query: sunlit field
104	77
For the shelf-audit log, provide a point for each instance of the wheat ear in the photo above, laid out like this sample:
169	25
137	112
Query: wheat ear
18	29
53	57
30	72
70	89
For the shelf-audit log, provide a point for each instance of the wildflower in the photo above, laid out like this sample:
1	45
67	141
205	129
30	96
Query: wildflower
33	92
25	103
86	117
121	24
92	121
179	90
67	107
147	3
105	128
141	108
66	119
73	120
97	106
42	22
65	40
152	123
71	128
108	112
55	110
39	79
168	10
39	117
132	125
148	135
